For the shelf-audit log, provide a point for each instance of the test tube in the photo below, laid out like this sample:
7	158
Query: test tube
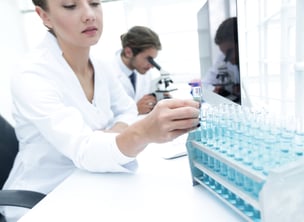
203	122
231	174
299	138
248	184
239	179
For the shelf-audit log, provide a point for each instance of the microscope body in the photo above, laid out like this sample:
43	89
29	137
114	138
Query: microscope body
225	83
165	83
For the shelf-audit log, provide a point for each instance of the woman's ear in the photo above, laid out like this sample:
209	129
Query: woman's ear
44	17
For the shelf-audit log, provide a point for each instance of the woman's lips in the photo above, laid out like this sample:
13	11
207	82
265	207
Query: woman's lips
90	30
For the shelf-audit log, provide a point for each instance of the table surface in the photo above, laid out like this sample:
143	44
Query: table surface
160	190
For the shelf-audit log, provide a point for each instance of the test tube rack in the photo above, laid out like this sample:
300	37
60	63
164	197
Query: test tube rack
278	196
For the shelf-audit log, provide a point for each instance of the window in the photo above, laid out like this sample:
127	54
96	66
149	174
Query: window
267	30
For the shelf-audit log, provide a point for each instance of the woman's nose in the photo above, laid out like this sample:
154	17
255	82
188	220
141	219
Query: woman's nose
88	13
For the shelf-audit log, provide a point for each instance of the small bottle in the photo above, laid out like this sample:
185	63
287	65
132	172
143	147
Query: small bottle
196	91
197	96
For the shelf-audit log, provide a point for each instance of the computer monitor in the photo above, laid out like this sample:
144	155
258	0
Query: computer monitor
218	48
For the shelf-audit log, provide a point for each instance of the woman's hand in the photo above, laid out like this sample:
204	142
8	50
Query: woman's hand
169	119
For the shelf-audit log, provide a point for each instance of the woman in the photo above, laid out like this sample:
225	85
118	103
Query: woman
70	112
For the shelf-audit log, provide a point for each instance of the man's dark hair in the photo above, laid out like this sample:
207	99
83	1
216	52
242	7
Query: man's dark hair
140	38
227	31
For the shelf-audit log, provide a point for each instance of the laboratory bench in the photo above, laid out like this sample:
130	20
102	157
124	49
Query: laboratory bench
160	190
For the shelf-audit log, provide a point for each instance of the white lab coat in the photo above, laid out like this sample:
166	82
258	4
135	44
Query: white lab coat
145	83
58	128
210	77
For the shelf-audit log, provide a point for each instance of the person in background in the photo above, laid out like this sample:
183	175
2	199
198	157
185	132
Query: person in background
224	77
132	67
69	111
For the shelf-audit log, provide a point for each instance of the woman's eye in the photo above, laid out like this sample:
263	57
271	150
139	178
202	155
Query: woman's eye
95	4
69	6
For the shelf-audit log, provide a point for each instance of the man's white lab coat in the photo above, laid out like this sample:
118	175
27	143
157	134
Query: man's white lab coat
145	83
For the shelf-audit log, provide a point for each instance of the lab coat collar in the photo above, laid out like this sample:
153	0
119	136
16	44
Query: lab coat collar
122	66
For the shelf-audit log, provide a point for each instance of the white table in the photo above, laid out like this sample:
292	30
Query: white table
161	190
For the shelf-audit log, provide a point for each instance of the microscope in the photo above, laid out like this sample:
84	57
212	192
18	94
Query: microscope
164	84
225	85
223	77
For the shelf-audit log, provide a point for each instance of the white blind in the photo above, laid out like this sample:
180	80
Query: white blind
267	34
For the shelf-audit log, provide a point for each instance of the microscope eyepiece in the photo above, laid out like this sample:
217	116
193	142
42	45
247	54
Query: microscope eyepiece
153	63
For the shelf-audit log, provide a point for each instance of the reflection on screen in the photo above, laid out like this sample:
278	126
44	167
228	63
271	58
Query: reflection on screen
221	73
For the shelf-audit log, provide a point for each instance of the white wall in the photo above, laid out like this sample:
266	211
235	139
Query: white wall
13	45
174	20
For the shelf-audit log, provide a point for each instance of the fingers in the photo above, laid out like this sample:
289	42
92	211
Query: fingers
172	118
184	113
180	114
176	103
179	109
185	124
178	132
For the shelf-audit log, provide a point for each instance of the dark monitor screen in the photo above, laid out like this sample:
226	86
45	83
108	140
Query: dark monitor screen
218	43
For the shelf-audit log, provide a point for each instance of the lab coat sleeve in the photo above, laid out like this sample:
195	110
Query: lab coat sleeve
40	102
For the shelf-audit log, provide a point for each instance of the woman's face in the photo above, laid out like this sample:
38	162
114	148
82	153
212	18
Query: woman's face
75	22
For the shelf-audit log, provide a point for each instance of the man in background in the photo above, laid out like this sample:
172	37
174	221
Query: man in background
133	68
223	77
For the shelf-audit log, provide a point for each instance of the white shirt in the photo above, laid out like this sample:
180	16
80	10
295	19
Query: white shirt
145	83
58	128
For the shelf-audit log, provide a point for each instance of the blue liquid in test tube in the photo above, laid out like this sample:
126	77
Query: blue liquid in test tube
231	174
217	165
223	169
203	125
240	204
249	210
205	159
225	193
239	179
248	184
232	198
299	142
211	162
